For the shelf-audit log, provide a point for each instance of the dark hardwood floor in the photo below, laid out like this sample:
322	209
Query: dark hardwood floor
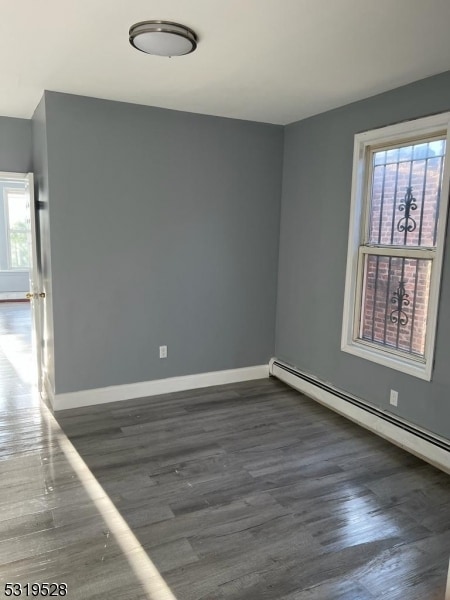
248	491
255	492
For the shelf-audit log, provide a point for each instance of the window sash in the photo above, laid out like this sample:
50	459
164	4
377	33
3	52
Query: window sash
370	151
393	253
399	251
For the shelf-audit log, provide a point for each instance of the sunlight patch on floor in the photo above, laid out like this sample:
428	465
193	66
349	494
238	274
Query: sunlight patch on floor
148	575
22	361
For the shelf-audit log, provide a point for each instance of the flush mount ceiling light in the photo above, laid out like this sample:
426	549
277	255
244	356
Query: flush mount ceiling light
163	38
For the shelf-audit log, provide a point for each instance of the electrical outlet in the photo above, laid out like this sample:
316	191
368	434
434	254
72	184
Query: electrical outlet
163	352
394	398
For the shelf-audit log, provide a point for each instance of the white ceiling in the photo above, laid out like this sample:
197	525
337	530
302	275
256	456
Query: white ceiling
265	60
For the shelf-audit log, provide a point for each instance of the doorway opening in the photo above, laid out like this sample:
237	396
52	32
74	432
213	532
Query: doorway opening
18	339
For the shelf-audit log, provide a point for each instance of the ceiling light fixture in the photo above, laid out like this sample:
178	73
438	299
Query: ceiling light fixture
163	38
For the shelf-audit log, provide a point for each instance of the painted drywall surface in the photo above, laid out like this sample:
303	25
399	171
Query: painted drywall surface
41	193
164	230
12	281
15	145
315	211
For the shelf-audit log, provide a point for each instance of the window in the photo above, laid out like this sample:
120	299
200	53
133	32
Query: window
397	228
18	232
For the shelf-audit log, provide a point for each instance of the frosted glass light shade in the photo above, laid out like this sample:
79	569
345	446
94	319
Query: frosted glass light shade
163	38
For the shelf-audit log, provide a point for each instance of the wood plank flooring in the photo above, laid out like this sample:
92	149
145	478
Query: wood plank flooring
255	492
16	368
53	526
247	491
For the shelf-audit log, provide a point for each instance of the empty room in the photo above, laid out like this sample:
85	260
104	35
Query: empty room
225	300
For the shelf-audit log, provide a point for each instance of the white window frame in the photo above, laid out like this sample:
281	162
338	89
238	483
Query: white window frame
358	246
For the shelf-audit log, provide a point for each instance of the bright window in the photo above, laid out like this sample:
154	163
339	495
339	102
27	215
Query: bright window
17	213
397	230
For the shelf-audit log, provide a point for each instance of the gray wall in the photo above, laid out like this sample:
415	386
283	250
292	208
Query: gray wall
164	230
15	145
14	282
313	248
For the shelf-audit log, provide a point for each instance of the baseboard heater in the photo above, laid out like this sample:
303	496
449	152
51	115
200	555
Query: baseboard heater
429	447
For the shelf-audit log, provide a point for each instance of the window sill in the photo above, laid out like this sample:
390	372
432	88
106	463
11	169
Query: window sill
416	368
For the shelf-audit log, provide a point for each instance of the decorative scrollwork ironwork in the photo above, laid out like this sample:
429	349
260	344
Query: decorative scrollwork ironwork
401	299
407	224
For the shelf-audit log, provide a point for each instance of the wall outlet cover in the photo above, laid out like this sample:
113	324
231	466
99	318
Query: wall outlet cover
393	399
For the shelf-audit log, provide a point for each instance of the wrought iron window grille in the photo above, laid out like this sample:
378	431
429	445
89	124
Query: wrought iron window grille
401	299
407	224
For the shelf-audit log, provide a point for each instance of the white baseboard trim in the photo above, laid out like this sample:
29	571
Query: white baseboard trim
13	295
435	455
156	387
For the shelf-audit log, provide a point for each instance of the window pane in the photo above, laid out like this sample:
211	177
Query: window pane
395	302
405	194
18	212
19	249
